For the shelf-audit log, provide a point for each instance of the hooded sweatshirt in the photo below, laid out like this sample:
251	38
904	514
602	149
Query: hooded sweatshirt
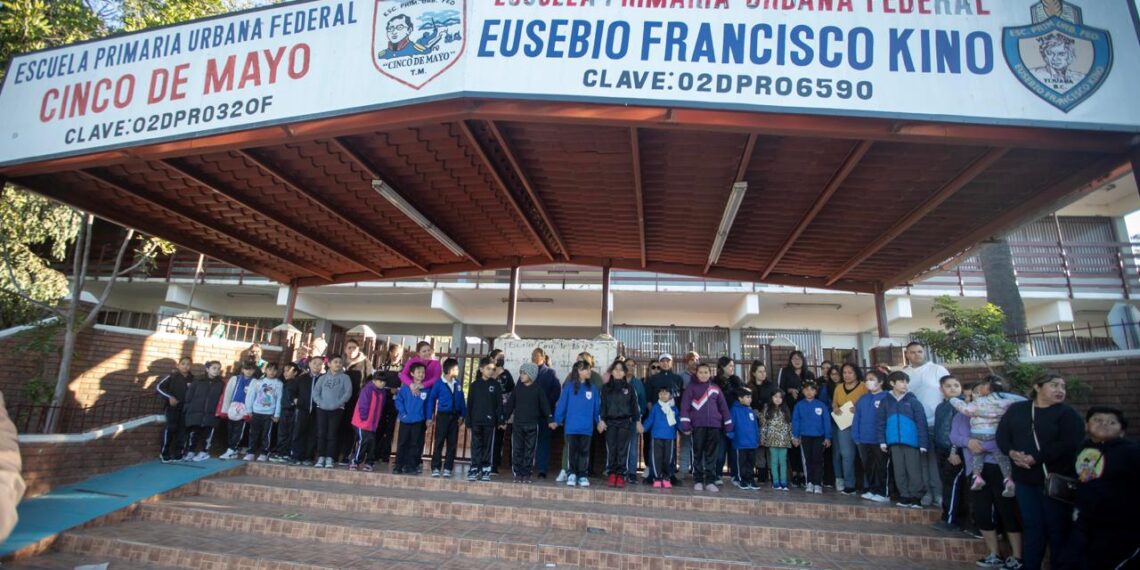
663	421
264	397
578	410
332	391
703	405
747	432
369	407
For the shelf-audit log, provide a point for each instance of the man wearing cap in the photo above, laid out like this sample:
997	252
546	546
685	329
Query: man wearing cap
667	379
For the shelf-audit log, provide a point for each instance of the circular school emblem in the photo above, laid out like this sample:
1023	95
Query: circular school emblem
819	411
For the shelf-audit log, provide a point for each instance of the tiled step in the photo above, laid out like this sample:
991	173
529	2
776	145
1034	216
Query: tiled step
914	542
160	545
67	561
764	503
491	539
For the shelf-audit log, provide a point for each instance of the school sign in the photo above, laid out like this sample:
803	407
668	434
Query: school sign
1049	63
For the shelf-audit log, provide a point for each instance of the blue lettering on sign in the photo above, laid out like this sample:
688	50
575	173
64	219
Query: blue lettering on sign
908	50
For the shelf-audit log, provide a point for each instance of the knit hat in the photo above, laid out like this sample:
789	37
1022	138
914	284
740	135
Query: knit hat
530	370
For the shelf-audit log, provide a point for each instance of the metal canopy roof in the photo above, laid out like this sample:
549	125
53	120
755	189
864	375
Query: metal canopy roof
846	203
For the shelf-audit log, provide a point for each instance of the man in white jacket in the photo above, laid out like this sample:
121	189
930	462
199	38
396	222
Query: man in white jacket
11	483
925	384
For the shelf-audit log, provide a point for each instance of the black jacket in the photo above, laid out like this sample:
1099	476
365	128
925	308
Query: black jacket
731	387
529	405
507	383
1108	500
786	379
619	401
762	394
670	380
200	407
484	403
1059	430
301	391
174	386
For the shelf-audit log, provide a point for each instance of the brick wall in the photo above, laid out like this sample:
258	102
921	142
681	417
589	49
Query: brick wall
112	363
49	465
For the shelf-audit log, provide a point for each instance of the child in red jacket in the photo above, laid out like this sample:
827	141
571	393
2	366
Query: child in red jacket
374	396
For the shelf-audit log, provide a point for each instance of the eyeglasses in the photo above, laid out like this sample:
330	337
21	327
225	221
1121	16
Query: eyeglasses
654	368
397	28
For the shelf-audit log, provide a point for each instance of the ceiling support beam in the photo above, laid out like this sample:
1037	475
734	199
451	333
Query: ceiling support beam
187	217
857	153
233	197
435	232
530	191
471	140
735	198
635	152
320	202
975	169
1051	198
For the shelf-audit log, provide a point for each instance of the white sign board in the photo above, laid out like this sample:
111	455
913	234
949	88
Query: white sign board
563	353
1054	63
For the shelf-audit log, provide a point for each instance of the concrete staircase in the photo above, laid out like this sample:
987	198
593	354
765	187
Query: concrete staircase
272	516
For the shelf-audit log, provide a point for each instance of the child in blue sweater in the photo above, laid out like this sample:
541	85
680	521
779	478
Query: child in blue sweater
445	401
864	434
745	440
411	407
901	428
662	428
579	408
811	432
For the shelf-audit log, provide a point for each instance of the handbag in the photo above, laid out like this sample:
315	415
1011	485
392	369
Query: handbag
1058	487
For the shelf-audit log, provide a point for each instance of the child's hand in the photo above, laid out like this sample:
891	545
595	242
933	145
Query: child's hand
640	428
883	447
954	459
922	450
826	443
601	426
795	442
275	418
552	425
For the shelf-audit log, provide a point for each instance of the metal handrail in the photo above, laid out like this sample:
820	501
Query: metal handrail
34	418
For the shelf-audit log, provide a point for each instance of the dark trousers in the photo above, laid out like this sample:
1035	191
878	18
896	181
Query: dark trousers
261	434
662	464
874	468
1047	523
236	431
496	456
304	434
705	441
410	445
617	446
384	434
745	462
953	490
723	452
446	432
174	434
284	444
328	431
524	444
811	452
482	442
542	448
578	454
365	449
195	435
346	442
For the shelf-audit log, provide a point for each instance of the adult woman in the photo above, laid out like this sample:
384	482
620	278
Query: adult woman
792	376
730	385
547	381
1042	436
843	448
359	368
506	385
425	354
762	390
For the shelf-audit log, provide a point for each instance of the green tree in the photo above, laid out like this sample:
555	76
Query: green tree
968	335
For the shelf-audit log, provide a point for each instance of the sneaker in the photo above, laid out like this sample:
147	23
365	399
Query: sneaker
611	481
352	467
367	468
229	454
991	561
925	501
540	476
917	505
571	480
818	490
1010	491
737	484
847	492
619	482
447	474
840	484
263	458
190	455
868	495
754	487
903	503
583	482
436	473
667	484
330	463
784	487
973	533
307	463
658	485
563	476
202	456
698	487
248	457
978	483
944	526
486	476
1012	563
880	499
712	488
516	479
472	474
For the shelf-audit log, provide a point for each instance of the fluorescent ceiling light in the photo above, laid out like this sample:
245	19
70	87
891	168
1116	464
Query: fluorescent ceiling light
529	300
402	205
730	210
835	306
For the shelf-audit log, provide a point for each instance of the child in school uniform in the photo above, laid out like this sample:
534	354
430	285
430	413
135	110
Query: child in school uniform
811	432
865	435
704	413
901	427
374	397
233	408
579	410
411	403
203	396
528	407
484	412
745	439
776	435
661	425
282	449
445	401
263	406
621	418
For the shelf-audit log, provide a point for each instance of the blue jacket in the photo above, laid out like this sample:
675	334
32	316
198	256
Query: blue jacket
548	381
411	408
865	424
747	432
657	425
449	402
902	422
578	412
811	418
